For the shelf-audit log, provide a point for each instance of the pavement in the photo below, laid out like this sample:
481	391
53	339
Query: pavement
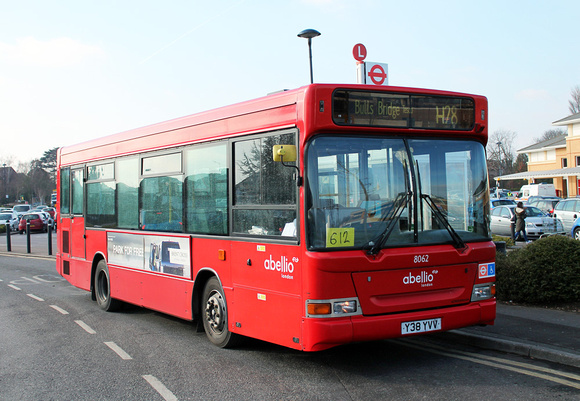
540	333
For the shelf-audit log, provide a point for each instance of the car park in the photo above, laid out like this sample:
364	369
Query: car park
537	222
37	223
567	210
10	219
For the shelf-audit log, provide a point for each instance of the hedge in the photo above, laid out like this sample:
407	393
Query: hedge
546	271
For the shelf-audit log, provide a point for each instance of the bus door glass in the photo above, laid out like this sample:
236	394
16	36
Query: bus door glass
64	212
77	224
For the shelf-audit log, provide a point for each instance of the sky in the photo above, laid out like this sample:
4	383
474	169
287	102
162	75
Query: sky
74	70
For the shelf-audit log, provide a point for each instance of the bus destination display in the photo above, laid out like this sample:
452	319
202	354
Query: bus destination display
397	110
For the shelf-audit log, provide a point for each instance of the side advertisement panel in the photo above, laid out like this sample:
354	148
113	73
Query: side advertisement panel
163	254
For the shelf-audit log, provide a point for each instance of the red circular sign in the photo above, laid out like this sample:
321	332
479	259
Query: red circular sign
359	51
377	75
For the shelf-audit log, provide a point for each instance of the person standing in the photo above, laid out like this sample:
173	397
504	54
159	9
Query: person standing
520	212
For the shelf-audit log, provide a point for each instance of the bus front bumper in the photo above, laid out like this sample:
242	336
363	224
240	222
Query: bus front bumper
324	333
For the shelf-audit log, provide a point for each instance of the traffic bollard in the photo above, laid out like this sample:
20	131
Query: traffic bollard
27	236
8	240
49	239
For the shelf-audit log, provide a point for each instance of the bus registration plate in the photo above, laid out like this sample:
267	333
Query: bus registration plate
421	326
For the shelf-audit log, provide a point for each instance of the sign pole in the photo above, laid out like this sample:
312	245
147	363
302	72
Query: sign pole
359	52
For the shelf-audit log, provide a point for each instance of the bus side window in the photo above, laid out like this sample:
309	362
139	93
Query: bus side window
206	189
161	204
264	198
65	191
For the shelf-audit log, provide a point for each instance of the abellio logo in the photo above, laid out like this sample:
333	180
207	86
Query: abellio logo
283	265
424	278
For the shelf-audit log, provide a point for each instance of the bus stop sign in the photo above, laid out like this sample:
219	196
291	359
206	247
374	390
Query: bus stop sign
359	51
377	73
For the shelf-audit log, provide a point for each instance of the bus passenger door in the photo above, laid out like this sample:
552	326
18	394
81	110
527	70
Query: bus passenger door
77	223
267	282
77	237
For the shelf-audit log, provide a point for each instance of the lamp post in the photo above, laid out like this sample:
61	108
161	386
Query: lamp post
309	34
499	161
4	183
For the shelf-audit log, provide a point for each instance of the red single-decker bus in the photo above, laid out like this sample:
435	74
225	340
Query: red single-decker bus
308	218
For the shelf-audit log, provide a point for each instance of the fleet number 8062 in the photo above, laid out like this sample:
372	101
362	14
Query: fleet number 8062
421	259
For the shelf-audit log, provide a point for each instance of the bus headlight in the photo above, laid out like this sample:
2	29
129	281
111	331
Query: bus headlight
333	307
483	291
344	307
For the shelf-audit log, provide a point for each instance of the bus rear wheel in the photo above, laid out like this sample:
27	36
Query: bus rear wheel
103	288
215	316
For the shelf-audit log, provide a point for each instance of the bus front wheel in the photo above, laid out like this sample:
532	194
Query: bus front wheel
103	288
215	315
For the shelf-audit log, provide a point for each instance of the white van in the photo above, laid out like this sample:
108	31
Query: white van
21	209
536	190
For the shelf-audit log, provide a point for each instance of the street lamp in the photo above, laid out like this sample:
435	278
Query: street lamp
499	161
4	179
309	34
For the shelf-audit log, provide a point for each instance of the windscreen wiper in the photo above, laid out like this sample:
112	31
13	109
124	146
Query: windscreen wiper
459	244
399	205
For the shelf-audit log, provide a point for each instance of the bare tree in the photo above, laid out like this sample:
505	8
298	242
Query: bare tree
574	104
550	134
500	153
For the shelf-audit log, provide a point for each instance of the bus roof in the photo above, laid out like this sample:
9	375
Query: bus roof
274	111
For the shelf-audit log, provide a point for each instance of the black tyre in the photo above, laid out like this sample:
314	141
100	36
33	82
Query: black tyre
103	289
577	233
215	315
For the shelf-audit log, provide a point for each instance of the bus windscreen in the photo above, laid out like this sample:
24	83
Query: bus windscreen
399	110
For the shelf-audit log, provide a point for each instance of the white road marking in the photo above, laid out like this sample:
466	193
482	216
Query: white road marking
85	326
118	350
59	309
35	297
499	363
508	362
14	287
160	388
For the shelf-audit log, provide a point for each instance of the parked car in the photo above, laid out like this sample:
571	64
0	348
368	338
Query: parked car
21	209
45	216
499	202
575	232
543	203
50	210
567	210
10	219
537	222
37	223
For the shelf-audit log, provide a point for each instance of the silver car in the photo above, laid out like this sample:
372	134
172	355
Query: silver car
9	218
537	222
567	210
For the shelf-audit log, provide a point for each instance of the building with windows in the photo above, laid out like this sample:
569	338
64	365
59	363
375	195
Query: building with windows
555	160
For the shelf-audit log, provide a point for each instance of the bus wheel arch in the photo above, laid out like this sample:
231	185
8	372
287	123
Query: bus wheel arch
196	302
